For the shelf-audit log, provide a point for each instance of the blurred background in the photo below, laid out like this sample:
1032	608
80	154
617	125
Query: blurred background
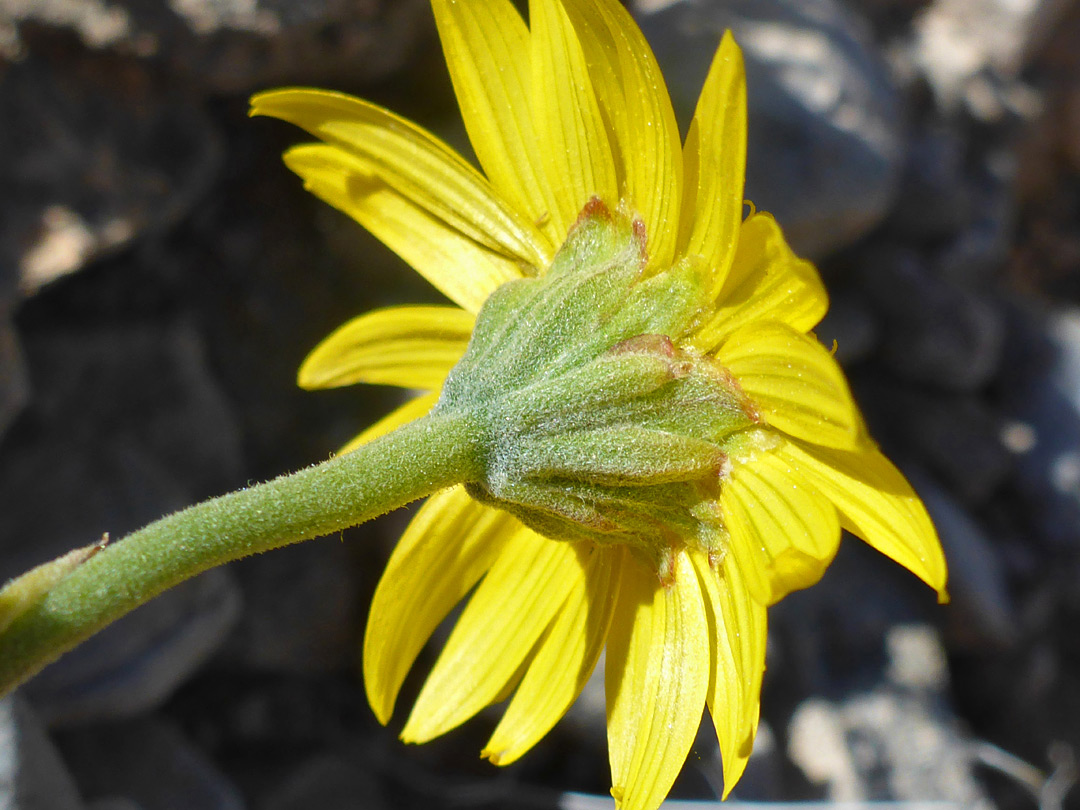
162	275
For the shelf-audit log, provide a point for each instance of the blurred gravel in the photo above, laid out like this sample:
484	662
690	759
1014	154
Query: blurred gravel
162	275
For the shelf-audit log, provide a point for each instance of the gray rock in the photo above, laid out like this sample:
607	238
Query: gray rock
956	436
972	51
937	333
825	144
1043	399
148	763
103	154
32	774
981	615
897	741
233	46
114	803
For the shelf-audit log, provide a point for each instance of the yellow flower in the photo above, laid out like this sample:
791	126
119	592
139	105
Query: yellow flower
570	119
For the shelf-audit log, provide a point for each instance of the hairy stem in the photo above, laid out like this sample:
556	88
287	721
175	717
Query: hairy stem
416	460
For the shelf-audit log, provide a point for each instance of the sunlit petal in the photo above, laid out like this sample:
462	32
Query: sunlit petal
450	543
511	609
714	157
767	282
413	347
738	624
657	677
784	532
795	383
463	270
485	46
876	503
413	162
634	101
572	138
564	661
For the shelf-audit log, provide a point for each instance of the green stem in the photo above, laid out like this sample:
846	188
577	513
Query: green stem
416	460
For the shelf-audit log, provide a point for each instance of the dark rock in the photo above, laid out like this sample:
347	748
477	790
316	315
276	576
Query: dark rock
14	386
825	144
126	426
977	254
1042	395
981	612
302	610
147	762
103	153
934	199
328	782
957	436
938	333
137	662
235	46
32	774
851	326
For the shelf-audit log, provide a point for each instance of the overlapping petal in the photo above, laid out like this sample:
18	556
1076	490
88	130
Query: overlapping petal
657	677
522	593
565	659
458	266
572	137
484	44
413	347
714	159
450	543
414	163
737	629
634	101
767	282
877	503
784	532
795	383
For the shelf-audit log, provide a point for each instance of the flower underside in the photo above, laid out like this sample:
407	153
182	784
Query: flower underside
666	449
599	424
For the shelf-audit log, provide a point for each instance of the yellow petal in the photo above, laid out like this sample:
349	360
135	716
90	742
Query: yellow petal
784	532
498	630
413	162
876	503
737	632
657	676
767	282
796	384
485	46
714	158
450	543
463	270
564	661
634	100
413	347
410	411
572	139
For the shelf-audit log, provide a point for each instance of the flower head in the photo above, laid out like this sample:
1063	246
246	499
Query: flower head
670	449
